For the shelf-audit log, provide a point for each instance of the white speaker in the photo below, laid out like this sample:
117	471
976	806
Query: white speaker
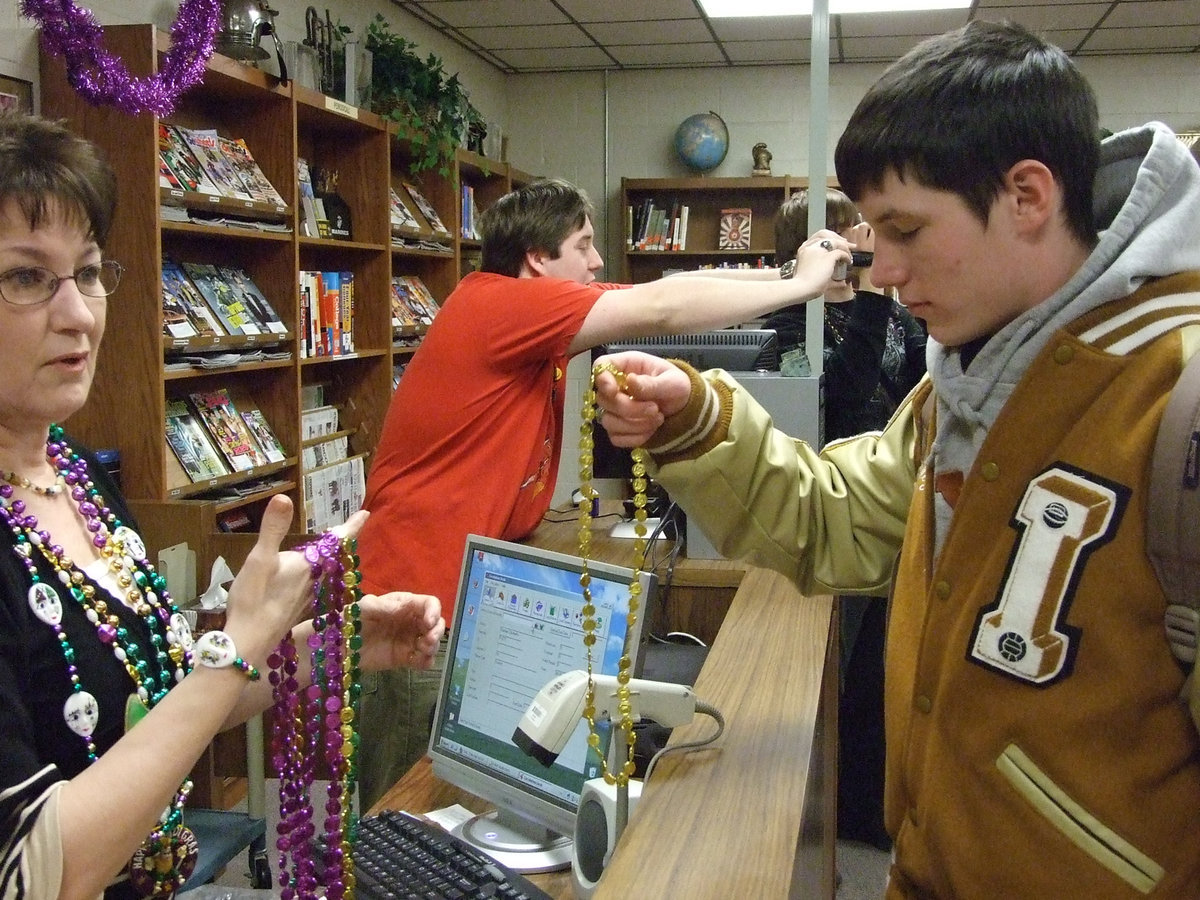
596	832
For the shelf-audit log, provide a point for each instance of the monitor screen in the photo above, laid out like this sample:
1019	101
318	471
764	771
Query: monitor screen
517	625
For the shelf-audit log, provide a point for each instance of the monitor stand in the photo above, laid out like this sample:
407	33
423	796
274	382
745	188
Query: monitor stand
627	528
515	842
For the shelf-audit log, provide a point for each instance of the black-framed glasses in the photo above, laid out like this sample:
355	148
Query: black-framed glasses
31	285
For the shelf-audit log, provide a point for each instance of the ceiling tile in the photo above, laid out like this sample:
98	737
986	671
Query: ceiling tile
555	59
683	31
629	10
652	55
521	36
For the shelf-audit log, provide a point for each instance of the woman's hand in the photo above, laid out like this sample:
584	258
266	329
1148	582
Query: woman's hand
400	629
273	590
636	406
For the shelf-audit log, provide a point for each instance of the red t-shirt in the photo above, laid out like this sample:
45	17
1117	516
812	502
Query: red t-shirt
472	437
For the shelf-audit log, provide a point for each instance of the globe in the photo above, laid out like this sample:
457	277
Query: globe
702	141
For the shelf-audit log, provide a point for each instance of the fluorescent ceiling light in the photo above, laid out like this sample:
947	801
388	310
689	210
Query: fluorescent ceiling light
727	9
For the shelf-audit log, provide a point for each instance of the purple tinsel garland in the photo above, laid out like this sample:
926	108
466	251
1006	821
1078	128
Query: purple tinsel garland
99	77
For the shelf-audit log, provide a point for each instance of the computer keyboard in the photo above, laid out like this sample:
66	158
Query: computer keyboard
400	857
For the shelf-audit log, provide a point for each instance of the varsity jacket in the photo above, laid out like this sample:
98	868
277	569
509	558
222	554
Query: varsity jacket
1037	745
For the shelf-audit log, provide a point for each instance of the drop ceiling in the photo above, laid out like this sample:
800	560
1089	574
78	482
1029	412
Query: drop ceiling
527	36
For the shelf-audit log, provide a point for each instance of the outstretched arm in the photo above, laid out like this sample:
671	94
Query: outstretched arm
699	303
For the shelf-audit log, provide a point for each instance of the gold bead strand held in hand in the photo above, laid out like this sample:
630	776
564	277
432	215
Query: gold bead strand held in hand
587	496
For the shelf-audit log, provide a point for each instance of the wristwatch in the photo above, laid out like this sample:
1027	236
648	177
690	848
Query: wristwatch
788	269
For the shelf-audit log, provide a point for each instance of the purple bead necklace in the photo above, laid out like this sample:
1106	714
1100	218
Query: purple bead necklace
318	722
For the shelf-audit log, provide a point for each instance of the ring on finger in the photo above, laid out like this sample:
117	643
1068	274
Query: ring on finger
599	414
826	244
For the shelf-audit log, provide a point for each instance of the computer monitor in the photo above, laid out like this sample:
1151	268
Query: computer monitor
736	350
518	624
732	349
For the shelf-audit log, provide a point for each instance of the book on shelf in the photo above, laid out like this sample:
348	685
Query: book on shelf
333	450
205	145
309	226
733	229
268	443
189	441
229	431
427	210
333	493
251	174
235	520
222	298
411	291
175	154
318	422
253	300
467	213
401	216
403	314
185	312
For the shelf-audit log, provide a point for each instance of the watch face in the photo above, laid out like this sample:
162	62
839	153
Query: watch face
788	269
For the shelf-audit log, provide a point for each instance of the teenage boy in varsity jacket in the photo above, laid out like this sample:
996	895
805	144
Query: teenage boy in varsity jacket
1037	742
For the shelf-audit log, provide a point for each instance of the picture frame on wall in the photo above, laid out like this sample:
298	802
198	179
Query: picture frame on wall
15	94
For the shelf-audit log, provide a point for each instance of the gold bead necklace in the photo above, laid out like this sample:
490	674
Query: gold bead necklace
587	496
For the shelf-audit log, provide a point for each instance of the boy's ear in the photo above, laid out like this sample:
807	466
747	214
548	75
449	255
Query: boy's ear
535	262
1034	193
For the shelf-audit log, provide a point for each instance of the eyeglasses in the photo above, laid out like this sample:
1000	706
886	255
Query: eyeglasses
31	285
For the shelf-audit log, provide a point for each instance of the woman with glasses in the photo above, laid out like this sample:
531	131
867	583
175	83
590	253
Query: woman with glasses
90	643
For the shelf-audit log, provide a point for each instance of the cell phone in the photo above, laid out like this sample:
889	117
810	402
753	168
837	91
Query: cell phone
859	259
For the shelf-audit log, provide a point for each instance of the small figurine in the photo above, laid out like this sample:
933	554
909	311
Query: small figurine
762	159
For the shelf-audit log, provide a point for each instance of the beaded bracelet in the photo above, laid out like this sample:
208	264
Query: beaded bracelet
215	650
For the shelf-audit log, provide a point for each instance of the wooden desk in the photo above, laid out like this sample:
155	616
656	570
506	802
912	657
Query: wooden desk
751	816
700	590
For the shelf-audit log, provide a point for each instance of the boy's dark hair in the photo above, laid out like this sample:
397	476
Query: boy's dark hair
538	216
791	221
959	110
48	169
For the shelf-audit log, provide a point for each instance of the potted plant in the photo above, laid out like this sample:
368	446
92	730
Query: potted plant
432	108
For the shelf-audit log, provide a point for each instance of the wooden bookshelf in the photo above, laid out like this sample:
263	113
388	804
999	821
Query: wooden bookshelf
705	198
280	124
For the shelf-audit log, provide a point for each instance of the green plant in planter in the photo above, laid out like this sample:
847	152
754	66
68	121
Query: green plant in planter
433	109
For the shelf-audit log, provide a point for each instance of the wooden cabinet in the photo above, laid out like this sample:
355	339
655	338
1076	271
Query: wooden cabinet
280	124
704	198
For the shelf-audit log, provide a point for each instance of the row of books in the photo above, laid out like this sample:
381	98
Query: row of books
412	303
204	162
651	226
326	313
211	437
206	300
414	215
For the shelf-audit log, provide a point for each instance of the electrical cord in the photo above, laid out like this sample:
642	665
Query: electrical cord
701	707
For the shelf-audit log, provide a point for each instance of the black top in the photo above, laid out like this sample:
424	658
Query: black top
874	355
37	748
